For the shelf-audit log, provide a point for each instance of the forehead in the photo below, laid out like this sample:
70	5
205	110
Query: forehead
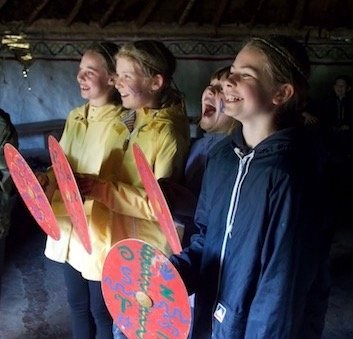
215	81
93	58
126	64
341	82
252	58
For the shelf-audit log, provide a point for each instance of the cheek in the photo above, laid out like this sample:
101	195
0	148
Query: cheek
135	89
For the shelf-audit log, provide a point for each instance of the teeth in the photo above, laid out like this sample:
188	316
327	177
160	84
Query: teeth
232	98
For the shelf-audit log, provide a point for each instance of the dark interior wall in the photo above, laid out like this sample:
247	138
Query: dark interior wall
50	91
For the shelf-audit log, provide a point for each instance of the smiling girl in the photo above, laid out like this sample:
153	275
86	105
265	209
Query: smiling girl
156	121
260	253
90	142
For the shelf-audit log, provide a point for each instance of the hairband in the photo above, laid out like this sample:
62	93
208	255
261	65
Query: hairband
283	54
107	52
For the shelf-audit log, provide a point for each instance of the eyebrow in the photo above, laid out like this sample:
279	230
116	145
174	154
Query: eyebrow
245	67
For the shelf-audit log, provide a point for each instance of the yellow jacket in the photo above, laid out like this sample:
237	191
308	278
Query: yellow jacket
96	141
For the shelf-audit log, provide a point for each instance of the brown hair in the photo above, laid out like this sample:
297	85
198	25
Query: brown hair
288	62
107	50
220	73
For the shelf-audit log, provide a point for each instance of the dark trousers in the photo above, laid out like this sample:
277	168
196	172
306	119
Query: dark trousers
2	259
89	315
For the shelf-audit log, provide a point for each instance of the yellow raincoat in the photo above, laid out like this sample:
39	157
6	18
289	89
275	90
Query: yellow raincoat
97	142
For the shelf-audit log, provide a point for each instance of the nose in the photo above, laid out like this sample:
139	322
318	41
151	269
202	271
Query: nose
80	76
226	84
210	91
117	81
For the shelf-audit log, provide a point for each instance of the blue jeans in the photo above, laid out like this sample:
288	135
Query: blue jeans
90	317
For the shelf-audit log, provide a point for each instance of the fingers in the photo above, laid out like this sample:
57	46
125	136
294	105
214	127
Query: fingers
42	179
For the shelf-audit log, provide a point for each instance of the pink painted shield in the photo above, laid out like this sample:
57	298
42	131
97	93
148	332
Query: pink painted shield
144	292
69	192
158	202
31	191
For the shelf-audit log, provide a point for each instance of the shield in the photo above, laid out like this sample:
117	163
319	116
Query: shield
144	292
69	192
31	191
158	202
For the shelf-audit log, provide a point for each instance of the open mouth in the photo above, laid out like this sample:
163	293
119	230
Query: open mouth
209	110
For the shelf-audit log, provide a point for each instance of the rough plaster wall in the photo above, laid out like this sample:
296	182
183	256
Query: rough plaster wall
54	90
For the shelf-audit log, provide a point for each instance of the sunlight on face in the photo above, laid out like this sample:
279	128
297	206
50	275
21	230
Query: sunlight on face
249	88
93	78
134	87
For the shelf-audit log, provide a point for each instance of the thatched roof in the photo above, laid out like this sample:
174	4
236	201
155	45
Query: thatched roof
218	18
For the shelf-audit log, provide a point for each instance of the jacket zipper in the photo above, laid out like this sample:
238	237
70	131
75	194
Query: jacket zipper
244	164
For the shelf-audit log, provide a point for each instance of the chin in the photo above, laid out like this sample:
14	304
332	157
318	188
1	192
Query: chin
230	113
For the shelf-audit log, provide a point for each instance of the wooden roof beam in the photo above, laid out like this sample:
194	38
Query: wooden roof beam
74	12
2	3
37	11
298	14
260	5
187	10
107	15
222	6
146	12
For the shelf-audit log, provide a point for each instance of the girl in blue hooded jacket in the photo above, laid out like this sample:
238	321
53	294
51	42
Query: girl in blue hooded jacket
258	265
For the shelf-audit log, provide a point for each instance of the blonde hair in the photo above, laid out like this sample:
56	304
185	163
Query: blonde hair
154	58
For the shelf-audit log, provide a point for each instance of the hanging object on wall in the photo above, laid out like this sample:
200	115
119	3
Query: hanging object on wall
21	49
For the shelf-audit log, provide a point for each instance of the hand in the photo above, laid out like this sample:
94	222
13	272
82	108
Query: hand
42	179
88	185
310	119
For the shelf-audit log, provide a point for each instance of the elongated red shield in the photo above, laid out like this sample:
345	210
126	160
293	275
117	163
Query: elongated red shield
69	192
158	202
31	191
144	292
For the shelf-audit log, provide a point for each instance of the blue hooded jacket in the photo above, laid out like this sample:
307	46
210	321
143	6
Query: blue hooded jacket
258	265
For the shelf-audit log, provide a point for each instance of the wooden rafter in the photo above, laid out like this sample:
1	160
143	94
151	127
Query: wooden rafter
34	15
74	12
108	13
2	3
298	13
220	11
146	12
257	11
186	12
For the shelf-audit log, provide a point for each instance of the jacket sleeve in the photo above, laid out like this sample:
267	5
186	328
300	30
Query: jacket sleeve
289	263
188	263
168	163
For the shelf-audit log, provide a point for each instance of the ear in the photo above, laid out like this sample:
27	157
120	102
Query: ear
157	82
283	94
111	81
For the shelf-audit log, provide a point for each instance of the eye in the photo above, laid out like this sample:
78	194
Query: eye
245	75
